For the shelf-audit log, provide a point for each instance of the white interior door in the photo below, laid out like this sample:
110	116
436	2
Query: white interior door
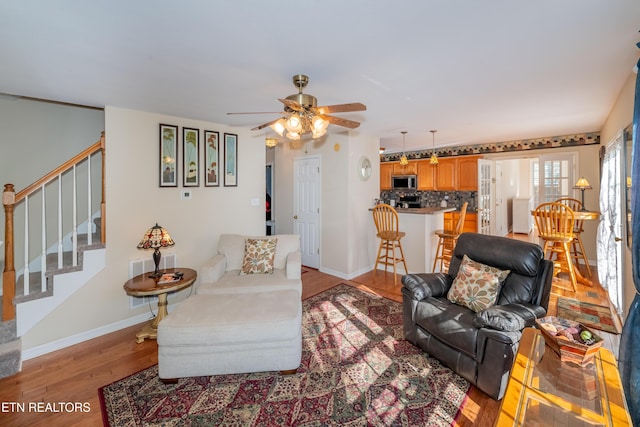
306	208
501	226
611	228
486	196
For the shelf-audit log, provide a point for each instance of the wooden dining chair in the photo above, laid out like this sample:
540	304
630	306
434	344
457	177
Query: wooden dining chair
447	240
555	223
386	220
577	248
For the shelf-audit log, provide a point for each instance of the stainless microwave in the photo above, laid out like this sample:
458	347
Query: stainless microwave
404	182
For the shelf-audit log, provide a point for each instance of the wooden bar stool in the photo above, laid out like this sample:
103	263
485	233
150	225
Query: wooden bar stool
386	220
447	242
577	248
555	223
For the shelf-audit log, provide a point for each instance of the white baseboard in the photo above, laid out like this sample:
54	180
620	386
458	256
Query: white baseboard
87	335
346	276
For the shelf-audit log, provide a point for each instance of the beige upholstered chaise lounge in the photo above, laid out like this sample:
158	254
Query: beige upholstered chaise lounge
236	323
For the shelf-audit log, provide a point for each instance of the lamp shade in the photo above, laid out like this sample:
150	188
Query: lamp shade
156	237
582	184
279	127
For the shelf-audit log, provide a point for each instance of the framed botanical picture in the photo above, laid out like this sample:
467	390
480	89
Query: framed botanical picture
190	156
211	158
168	155
230	160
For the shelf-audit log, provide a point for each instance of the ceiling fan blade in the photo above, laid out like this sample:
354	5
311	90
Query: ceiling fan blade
264	125
341	122
291	104
257	112
341	108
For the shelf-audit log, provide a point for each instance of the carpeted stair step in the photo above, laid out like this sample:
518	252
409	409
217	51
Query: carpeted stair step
10	358
8	331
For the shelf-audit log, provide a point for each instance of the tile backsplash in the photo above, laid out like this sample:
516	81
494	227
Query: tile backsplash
434	198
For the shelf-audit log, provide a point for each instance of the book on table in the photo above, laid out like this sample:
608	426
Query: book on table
167	278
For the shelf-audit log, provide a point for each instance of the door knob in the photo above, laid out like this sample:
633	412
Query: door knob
617	239
295	217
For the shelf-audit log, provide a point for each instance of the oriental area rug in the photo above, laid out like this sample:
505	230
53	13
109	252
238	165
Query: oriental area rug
591	315
356	370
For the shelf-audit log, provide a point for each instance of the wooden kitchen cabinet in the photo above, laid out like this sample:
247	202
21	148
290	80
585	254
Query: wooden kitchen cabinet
426	176
410	169
386	170
446	174
468	173
470	221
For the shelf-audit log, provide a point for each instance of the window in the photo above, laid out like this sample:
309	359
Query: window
553	177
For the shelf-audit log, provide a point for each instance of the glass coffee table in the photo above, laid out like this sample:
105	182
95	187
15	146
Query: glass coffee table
543	391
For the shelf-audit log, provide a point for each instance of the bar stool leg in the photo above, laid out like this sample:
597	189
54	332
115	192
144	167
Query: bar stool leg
569	261
404	264
378	256
577	243
439	255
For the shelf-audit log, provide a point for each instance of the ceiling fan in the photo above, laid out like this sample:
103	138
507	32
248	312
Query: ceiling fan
301	114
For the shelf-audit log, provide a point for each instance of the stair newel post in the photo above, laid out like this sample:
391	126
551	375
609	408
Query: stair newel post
9	273
103	206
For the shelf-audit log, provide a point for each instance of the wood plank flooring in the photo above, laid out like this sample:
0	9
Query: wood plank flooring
75	373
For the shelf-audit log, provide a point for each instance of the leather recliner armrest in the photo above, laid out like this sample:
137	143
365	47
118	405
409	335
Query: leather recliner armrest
423	285
509	317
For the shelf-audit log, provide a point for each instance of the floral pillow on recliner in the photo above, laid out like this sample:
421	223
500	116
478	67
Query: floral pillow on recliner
258	256
477	285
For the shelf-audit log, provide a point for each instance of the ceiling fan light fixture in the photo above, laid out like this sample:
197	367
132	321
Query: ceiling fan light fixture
278	127
294	136
294	124
319	123
434	159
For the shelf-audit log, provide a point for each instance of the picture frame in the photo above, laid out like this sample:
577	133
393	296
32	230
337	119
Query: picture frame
211	158
191	157
230	160
168	161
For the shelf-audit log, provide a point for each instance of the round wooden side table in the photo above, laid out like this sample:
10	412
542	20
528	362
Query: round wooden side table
144	285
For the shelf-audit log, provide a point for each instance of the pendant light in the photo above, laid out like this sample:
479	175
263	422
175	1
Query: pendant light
403	159
434	159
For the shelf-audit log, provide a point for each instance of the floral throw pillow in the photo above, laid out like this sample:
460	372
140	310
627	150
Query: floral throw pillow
477	285
258	256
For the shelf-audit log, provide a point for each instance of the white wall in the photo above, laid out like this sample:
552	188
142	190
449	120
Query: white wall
346	240
135	202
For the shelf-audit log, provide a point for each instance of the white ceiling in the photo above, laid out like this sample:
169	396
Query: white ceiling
477	71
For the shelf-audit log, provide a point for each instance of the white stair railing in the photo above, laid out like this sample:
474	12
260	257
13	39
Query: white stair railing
22	199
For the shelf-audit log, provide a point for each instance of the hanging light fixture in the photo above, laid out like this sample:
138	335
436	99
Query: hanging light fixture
434	159
403	159
270	142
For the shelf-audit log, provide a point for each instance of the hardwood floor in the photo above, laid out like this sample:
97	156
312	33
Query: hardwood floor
75	373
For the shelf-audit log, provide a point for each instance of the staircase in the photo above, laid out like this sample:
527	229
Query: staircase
56	236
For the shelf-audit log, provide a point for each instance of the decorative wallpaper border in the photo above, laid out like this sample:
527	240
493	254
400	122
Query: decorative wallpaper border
501	147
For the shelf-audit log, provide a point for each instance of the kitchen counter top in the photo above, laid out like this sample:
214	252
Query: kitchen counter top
425	211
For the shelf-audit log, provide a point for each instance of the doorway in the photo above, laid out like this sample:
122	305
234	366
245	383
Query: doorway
611	227
306	208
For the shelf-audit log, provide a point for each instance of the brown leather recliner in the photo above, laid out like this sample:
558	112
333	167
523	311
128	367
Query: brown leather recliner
480	347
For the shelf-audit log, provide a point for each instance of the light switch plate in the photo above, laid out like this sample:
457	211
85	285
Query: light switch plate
185	194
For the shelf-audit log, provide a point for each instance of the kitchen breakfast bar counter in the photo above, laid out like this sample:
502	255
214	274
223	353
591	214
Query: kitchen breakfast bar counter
420	243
